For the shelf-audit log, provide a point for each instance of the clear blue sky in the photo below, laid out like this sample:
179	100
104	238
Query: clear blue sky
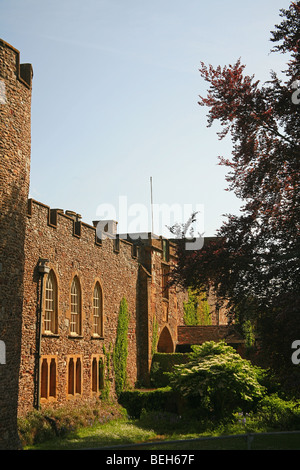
115	92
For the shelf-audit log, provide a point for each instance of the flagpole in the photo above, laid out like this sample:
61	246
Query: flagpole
151	203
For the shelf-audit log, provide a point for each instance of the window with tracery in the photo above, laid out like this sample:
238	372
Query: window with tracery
74	375
48	377
75	321
97	374
50	312
97	311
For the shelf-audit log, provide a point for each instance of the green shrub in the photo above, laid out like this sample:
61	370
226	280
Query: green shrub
34	428
161	399
218	380
276	413
162	364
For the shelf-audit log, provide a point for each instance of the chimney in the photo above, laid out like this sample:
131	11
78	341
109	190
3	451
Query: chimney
108	228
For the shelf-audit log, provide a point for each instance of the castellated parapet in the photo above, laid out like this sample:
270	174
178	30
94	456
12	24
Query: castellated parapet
72	250
122	268
15	142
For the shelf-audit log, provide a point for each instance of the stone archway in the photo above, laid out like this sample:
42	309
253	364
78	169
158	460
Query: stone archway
165	342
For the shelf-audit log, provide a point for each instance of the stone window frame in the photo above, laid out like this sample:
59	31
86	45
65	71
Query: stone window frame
53	331
96	334
48	378
97	376
77	331
74	385
165	290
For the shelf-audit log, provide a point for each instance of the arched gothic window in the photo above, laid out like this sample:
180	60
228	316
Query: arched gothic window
97	311
50	312
75	322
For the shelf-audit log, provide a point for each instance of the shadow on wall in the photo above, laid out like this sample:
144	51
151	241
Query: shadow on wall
12	238
165	343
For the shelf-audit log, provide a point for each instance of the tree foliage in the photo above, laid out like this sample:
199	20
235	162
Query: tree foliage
253	264
218	379
196	309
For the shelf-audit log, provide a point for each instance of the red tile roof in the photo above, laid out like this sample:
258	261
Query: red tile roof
200	334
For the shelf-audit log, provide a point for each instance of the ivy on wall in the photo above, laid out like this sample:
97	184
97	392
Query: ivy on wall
121	348
196	309
249	334
154	336
105	366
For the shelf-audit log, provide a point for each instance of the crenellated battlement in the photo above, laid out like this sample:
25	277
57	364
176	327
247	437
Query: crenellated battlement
10	63
56	218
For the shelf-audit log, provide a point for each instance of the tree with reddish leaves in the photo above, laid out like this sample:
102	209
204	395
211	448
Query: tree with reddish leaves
253	264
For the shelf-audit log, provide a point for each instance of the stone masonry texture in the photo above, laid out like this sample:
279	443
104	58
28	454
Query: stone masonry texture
57	365
15	137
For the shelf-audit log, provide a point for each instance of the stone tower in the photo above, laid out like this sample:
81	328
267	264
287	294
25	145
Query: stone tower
15	145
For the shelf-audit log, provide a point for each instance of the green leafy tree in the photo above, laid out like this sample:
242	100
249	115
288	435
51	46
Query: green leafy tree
121	348
218	380
253	264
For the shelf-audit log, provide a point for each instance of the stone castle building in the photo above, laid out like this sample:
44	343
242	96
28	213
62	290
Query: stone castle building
61	284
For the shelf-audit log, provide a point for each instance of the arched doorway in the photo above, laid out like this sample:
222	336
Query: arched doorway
165	342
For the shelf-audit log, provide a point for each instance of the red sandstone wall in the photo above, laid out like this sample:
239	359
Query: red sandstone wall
15	116
168	312
69	255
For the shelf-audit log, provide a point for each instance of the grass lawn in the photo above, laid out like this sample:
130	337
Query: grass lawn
125	431
115	432
271	442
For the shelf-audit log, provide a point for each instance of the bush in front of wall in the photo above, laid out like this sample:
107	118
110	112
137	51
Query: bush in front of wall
135	401
41	425
162	363
218	380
